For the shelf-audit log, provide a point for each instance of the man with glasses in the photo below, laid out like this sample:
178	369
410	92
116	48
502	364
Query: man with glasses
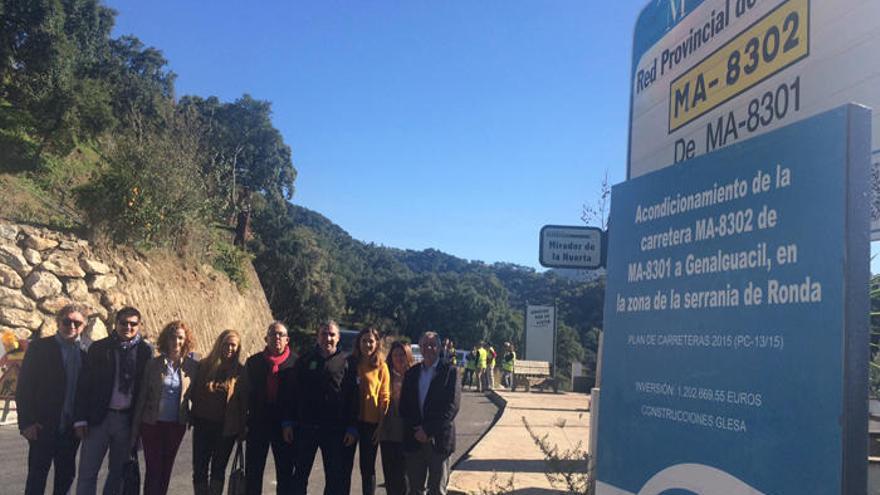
108	386
45	399
265	372
429	400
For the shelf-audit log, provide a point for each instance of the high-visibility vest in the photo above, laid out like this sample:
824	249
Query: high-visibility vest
509	361
481	358
472	361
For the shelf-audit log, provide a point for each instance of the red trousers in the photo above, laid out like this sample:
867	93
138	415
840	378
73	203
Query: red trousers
161	441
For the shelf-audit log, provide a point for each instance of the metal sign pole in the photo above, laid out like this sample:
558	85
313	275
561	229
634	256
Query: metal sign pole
555	339
525	338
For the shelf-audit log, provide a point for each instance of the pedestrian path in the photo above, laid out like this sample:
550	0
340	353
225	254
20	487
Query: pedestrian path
508	454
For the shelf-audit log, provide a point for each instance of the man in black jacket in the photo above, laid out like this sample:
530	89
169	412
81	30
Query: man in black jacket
429	400
265	371
45	399
109	384
321	410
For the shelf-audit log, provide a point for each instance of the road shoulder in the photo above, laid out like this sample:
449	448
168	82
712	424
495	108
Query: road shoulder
507	452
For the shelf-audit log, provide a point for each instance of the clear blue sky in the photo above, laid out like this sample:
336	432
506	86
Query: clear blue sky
459	125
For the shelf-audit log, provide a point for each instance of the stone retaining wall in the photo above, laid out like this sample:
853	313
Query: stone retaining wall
42	270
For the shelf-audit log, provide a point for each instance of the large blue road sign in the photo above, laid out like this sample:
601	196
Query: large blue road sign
735	347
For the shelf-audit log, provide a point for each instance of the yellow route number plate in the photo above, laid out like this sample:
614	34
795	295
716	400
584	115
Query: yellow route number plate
771	44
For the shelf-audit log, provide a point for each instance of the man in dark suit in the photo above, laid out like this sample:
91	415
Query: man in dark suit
429	400
45	399
111	377
265	371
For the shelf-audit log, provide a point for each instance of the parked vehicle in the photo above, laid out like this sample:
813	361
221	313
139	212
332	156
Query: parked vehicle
460	358
347	339
416	352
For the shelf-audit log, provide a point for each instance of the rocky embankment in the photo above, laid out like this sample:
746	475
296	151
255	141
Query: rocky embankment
42	270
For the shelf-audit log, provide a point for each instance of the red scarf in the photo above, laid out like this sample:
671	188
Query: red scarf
272	376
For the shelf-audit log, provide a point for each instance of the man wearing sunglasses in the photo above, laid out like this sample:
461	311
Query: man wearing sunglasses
109	383
45	399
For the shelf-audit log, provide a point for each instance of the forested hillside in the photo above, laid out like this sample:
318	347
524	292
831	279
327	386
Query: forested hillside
94	139
312	269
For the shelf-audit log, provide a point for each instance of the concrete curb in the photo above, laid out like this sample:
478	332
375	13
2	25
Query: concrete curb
498	401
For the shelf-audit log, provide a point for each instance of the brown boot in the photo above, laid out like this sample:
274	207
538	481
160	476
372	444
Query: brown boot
200	487
216	487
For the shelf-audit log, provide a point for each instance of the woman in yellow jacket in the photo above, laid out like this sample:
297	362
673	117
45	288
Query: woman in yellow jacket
219	406
161	412
374	384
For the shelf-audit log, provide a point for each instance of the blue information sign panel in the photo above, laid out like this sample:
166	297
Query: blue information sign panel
735	346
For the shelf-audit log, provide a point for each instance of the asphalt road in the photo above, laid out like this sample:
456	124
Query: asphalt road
474	418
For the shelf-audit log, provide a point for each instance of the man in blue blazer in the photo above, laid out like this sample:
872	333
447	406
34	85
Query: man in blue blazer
45	398
429	400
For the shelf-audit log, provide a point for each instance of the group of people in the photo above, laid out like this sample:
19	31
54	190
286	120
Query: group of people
118	395
479	370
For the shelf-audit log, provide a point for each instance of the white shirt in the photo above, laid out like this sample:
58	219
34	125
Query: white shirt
425	378
121	401
169	402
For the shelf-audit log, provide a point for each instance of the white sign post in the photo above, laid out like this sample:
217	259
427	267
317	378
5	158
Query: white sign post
710	73
541	334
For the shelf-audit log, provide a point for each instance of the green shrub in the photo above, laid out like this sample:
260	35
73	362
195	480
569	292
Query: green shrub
232	261
18	151
152	192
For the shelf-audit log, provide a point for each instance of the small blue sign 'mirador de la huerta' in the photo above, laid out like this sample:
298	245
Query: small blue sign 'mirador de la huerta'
735	346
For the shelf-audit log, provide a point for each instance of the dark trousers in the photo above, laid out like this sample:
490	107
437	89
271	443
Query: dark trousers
307	439
211	451
394	468
59	448
468	377
161	441
427	471
259	439
367	457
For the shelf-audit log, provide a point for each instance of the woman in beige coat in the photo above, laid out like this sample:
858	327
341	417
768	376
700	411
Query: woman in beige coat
219	407
162	409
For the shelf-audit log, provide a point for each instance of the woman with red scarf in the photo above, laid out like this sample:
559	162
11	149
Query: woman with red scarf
265	370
